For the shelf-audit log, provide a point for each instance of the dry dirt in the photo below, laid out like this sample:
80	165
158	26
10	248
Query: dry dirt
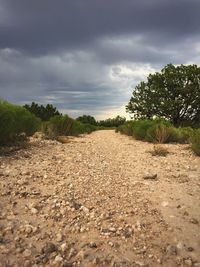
99	200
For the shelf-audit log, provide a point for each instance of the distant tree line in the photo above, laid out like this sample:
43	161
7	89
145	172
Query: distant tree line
114	122
42	112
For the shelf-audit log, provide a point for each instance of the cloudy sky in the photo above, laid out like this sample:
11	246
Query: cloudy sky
86	56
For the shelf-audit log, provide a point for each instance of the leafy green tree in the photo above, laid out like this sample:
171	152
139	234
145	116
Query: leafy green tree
87	119
173	94
42	112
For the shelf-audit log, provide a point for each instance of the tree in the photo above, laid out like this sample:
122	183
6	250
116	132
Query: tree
173	94
87	119
42	112
115	122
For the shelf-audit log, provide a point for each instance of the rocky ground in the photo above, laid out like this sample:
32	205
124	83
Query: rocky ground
99	200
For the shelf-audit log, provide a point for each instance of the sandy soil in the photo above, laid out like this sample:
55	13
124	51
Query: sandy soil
87	203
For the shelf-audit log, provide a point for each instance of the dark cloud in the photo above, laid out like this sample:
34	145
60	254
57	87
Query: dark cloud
86	56
47	26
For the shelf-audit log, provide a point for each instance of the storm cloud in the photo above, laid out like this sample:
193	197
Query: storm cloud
87	56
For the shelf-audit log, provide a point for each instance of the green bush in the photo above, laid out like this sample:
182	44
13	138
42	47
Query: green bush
15	121
195	141
185	134
57	125
64	126
180	135
140	128
158	133
125	129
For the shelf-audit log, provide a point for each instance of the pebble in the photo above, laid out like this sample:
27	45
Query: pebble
194	221
150	176
92	245
34	211
49	248
188	262
59	237
27	253
171	249
164	203
58	258
64	247
72	253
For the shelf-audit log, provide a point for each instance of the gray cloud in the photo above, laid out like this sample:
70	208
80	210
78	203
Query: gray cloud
86	56
48	25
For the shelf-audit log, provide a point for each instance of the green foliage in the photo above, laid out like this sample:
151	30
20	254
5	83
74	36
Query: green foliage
125	128
42	112
195	142
115	122
87	119
140	128
57	125
173	94
156	131
64	126
81	128
15	121
180	135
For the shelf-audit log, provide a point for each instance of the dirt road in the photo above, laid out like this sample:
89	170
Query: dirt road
87	203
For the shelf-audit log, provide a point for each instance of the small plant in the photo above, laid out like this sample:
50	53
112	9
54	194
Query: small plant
56	126
195	142
159	151
158	134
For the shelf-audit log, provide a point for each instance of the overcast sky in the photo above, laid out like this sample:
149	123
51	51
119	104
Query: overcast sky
86	56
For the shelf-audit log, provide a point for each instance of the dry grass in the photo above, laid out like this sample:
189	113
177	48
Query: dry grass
159	150
161	134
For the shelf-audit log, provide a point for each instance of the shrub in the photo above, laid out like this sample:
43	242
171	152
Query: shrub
180	135
125	129
80	128
64	126
156	131
57	125
195	142
158	134
140	128
159	151
185	134
16	122
151	130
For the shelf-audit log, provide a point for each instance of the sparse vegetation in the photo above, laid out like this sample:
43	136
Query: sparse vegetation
156	131
159	150
160	131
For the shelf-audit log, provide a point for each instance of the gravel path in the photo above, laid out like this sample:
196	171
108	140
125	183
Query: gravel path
99	200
